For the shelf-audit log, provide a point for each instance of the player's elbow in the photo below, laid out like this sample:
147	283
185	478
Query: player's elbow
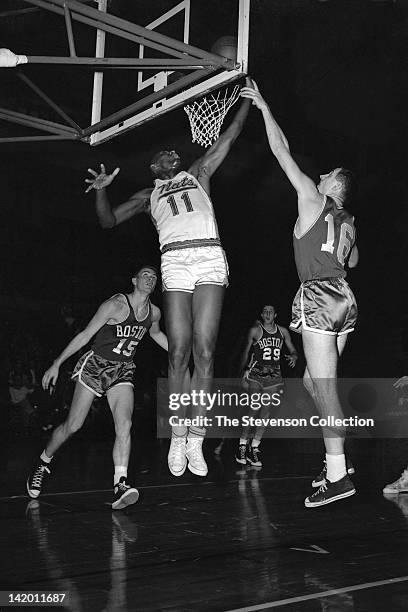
107	223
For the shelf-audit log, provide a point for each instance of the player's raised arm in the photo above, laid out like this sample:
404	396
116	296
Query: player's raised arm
303	184
205	166
155	332
105	312
107	216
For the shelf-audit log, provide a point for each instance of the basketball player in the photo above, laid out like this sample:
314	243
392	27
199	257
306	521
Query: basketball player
119	325
261	359
324	309
194	271
401	484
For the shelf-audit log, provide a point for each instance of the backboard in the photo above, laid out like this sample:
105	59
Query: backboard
138	60
184	71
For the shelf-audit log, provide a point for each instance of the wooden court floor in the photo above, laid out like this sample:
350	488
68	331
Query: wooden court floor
239	539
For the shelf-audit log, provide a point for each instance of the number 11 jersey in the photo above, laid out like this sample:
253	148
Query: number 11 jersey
322	250
182	210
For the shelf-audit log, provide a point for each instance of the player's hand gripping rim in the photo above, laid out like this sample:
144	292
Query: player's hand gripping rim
253	93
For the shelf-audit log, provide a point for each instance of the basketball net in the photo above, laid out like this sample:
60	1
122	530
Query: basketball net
206	116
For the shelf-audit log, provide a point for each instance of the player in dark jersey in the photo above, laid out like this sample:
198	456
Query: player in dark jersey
324	309
194	271
118	326
261	359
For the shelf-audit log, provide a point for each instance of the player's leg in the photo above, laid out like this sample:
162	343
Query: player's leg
178	316
206	313
81	403
121	403
321	477
254	452
243	454
322	352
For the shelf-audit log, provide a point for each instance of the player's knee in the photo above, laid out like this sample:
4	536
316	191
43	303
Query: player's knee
323	388
203	357
308	385
179	358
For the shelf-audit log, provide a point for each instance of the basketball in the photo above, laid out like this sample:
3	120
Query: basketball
226	46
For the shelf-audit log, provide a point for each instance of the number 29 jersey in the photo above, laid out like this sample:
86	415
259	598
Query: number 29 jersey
266	352
322	250
182	210
118	342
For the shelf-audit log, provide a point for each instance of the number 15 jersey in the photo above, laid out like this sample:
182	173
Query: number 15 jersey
182	210
322	250
118	341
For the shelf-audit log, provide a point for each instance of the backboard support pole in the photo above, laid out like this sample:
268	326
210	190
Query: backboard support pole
98	76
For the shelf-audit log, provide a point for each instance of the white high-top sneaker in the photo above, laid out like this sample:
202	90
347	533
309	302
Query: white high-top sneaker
176	459
194	454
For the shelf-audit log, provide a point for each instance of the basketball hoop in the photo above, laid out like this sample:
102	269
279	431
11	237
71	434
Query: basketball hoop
8	59
206	116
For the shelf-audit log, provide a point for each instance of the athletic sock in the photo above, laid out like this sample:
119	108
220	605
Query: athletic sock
243	441
196	432
44	458
336	467
120	470
179	432
255	443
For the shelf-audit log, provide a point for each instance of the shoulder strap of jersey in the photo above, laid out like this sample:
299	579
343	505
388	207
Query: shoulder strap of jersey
127	300
262	330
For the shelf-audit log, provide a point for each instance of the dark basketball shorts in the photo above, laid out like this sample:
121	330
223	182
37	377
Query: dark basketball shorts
326	306
265	379
99	374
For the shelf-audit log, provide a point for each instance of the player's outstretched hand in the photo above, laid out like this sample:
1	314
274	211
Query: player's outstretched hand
401	382
101	180
50	378
291	359
252	93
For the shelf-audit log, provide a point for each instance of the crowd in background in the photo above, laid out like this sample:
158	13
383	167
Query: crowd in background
28	347
26	351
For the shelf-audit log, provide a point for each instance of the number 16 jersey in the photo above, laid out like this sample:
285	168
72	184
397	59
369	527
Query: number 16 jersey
182	210
322	250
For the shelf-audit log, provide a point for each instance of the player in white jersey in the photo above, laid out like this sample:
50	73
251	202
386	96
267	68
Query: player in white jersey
194	270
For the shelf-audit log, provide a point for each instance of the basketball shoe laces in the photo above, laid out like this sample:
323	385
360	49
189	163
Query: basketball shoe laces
404	476
39	475
194	449
176	450
321	489
255	452
122	486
